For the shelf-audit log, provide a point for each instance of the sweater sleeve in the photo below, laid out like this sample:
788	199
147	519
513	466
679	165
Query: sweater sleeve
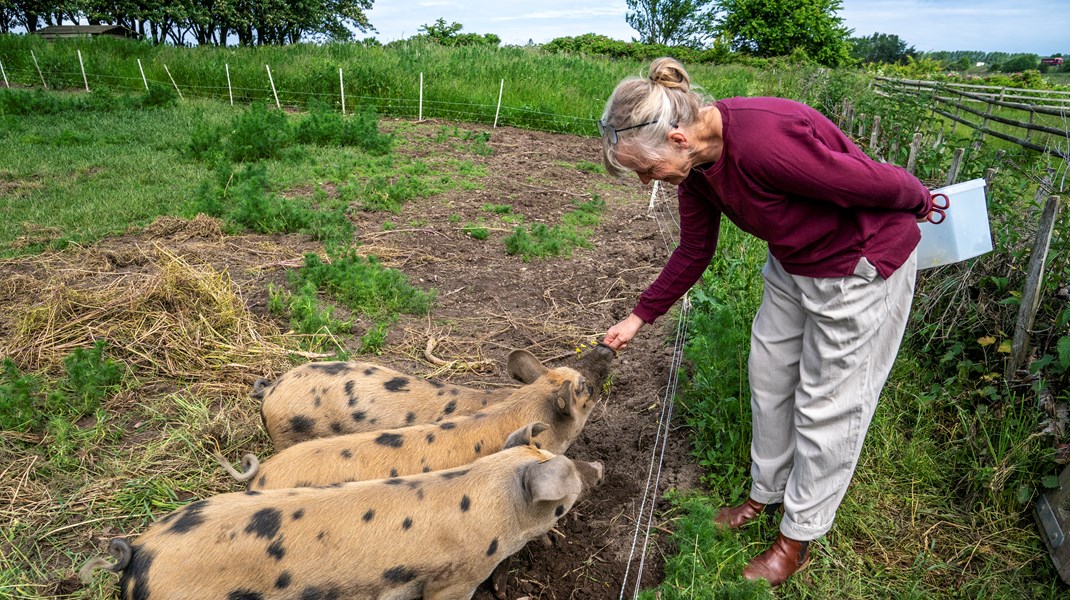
815	160
699	226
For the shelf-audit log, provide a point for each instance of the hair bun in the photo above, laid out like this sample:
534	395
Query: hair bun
668	72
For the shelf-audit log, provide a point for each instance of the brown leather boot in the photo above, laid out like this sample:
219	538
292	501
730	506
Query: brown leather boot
737	516
785	558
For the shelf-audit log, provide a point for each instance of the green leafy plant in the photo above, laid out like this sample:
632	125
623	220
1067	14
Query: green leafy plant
307	316
475	231
541	240
259	133
243	199
373	340
362	284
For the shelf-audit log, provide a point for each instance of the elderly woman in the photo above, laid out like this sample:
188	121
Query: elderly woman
839	279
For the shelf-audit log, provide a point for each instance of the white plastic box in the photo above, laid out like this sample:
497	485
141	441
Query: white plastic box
963	234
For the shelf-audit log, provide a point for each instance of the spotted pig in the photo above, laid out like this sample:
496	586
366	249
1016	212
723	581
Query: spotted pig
434	536
562	398
324	399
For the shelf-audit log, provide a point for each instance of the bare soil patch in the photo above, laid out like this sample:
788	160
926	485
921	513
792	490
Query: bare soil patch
488	303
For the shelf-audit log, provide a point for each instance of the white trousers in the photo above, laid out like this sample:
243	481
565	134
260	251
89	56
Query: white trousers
821	350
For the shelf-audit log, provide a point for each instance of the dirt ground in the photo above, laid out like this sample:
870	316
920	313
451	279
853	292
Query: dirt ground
547	306
489	303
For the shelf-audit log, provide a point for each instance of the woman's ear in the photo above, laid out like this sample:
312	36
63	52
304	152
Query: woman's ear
678	139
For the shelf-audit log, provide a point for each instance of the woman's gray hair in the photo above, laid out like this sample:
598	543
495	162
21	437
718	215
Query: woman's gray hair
665	96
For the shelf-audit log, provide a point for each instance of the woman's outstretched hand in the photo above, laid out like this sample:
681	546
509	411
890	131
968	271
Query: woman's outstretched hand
620	334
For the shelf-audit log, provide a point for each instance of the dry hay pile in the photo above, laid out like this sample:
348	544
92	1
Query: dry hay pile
168	317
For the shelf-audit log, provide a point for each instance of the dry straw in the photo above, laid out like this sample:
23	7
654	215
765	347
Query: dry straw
172	318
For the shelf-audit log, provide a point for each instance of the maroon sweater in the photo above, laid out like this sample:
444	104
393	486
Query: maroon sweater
789	176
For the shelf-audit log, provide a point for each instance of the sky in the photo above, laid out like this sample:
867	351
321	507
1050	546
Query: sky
1032	26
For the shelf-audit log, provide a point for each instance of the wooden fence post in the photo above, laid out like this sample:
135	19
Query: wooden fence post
912	159
1027	311
876	132
956	164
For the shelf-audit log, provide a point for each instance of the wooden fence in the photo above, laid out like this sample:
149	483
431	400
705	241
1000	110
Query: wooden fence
1046	127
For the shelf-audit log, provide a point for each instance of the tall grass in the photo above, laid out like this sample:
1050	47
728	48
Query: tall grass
542	90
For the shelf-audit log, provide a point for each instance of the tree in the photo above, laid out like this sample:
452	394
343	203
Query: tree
1020	62
767	28
881	48
672	22
450	35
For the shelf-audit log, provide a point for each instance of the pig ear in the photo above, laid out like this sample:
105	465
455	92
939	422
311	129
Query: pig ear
552	480
524	435
565	399
523	366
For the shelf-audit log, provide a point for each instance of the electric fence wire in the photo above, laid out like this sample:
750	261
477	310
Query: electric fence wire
661	437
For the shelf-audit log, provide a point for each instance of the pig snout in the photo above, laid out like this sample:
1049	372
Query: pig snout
591	473
596	363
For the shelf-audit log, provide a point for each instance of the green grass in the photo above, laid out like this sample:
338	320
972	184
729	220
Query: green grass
70	178
936	507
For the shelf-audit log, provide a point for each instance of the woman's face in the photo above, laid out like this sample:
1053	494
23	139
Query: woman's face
673	167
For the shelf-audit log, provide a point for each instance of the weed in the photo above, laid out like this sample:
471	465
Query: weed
307	317
32	403
475	231
541	240
325	127
498	209
373	340
243	199
363	285
590	167
259	133
479	141
391	193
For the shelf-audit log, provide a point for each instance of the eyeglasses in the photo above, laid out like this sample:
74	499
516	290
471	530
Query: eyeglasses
613	139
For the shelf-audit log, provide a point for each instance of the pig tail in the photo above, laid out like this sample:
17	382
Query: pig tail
119	549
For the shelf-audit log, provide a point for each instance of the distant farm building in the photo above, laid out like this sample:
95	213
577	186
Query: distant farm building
55	32
1054	61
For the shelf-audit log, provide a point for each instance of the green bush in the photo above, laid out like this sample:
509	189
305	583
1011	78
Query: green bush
259	133
324	126
45	102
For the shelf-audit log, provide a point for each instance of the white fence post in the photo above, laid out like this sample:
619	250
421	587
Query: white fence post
39	73
342	87
230	89
173	81
142	69
4	73
273	92
420	114
82	65
501	88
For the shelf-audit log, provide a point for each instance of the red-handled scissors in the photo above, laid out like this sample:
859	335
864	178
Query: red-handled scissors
937	215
